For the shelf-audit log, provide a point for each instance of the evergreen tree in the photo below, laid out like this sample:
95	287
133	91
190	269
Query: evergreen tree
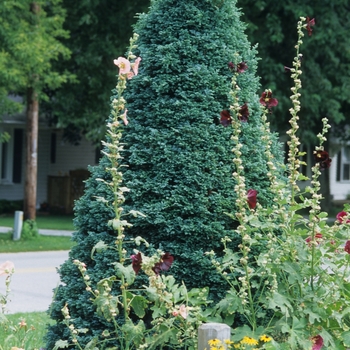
177	151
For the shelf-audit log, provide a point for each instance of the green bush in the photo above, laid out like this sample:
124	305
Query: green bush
179	156
29	229
9	207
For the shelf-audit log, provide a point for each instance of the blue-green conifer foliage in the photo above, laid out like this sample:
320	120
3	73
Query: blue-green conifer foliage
179	157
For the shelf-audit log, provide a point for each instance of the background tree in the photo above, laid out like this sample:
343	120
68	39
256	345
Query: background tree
99	32
179	156
28	41
326	59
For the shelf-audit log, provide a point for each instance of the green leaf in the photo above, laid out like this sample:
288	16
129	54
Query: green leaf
138	303
126	271
61	344
98	247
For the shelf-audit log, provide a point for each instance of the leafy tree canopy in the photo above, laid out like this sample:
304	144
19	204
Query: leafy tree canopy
325	60
100	32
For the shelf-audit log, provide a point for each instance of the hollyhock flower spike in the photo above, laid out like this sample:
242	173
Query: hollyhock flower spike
243	113
136	262
6	268
225	119
267	100
164	264
309	23
251	198
341	217
123	64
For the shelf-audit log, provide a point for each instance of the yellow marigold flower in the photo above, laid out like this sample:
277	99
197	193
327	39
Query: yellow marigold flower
265	338
228	341
249	341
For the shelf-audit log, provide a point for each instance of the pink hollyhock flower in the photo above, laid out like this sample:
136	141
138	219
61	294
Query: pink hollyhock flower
347	247
123	64
126	122
251	198
183	311
318	342
136	262
309	23
136	64
6	268
341	217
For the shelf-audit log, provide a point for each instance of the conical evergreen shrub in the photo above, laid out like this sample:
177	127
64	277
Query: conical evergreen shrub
179	156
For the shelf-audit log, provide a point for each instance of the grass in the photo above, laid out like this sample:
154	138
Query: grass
52	222
29	336
37	244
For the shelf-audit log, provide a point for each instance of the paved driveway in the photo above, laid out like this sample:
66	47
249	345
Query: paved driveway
34	279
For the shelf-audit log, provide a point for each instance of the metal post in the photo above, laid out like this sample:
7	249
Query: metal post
18	225
210	331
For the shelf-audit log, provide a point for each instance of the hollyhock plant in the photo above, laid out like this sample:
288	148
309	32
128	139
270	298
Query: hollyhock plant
251	198
125	120
225	119
267	100
135	65
123	64
341	217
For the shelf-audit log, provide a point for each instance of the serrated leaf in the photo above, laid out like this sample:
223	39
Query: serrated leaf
98	247
61	344
126	271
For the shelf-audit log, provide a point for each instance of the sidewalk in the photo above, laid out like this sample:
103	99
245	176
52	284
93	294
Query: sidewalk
44	232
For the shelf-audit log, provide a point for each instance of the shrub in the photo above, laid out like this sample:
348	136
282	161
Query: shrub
178	154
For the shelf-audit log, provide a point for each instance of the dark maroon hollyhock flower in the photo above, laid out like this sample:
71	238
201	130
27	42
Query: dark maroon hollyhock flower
241	67
225	119
318	342
136	262
322	157
341	217
309	23
251	198
318	236
164	264
231	66
267	100
347	247
243	113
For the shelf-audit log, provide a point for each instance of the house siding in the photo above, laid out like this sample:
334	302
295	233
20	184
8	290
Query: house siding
339	189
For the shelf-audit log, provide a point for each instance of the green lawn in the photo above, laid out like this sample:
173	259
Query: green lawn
37	244
29	335
53	222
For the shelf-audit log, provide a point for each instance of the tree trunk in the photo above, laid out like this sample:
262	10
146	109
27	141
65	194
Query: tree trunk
31	155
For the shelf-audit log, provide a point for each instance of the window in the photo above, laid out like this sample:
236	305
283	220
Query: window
12	158
343	164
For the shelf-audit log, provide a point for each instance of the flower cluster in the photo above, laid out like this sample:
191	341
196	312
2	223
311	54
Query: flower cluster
245	343
164	264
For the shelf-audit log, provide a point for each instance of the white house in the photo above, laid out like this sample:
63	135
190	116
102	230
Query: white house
61	166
